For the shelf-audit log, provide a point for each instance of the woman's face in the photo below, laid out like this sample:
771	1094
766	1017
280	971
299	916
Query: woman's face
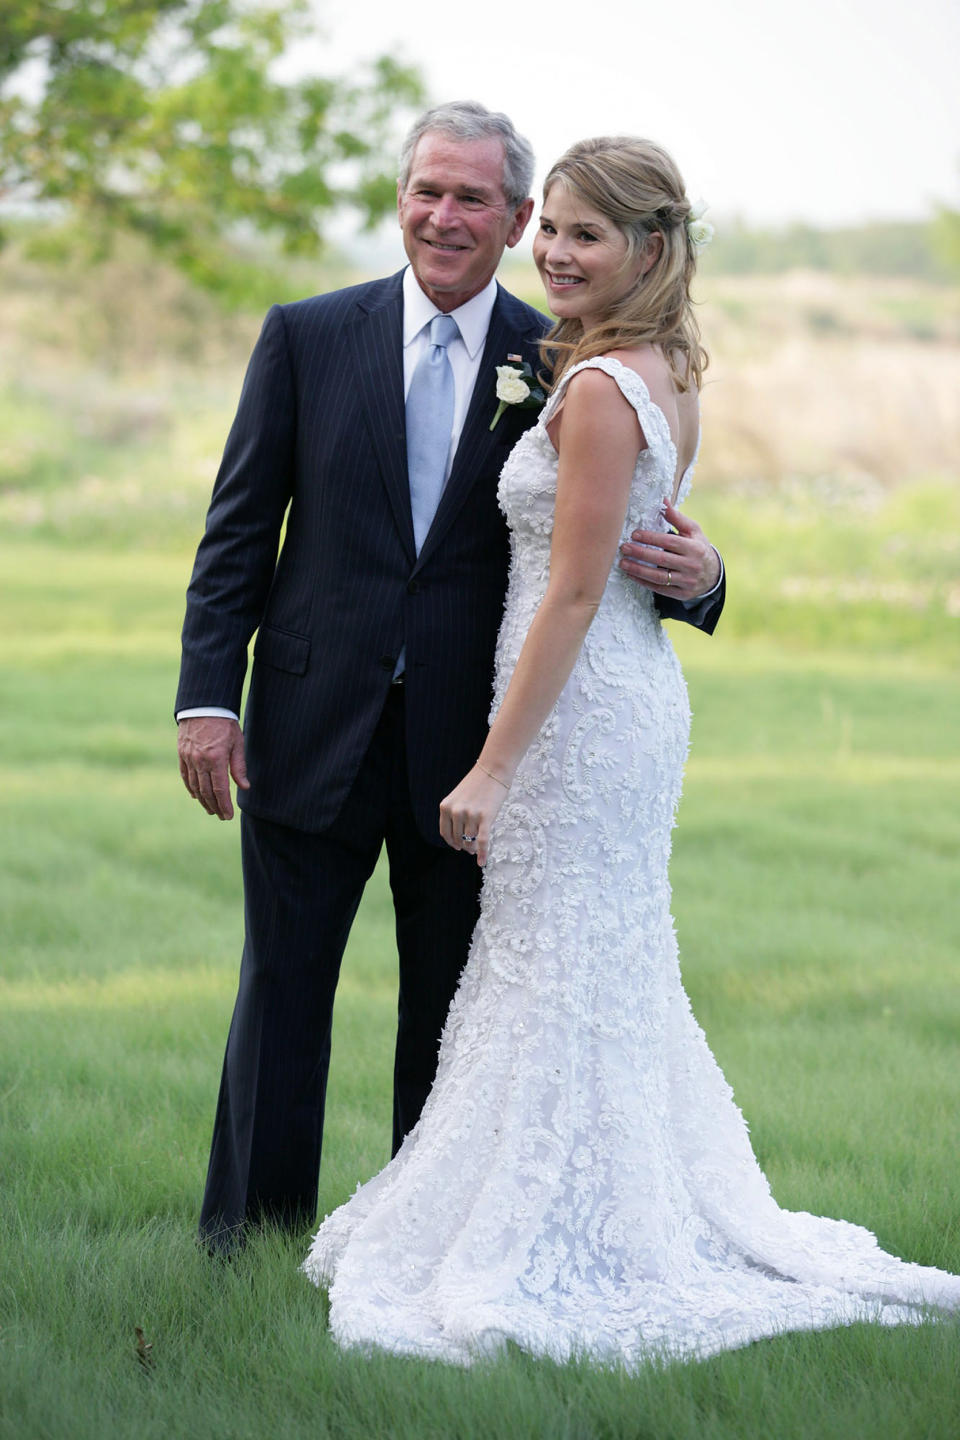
581	258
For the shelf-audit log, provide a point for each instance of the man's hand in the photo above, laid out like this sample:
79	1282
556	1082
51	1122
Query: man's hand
210	748
683	565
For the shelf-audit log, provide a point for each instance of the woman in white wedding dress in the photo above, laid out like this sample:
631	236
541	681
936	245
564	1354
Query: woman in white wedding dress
581	1181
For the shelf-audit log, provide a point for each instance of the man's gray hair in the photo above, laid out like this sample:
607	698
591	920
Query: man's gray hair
466	120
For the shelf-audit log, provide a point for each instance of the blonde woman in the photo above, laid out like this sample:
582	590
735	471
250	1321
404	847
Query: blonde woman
581	1180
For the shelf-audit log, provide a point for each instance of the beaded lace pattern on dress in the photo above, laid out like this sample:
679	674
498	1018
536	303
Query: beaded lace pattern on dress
581	1180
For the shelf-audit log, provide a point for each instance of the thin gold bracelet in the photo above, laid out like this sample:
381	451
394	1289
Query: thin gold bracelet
493	777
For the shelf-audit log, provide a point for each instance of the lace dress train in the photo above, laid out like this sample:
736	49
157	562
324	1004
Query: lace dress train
581	1180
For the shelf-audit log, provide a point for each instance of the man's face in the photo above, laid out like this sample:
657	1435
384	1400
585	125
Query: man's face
455	218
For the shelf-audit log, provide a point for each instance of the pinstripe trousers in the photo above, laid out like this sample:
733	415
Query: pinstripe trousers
301	895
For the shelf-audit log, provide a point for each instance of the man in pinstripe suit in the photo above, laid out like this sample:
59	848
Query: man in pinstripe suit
373	659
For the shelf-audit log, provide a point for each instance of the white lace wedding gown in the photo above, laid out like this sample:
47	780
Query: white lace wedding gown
581	1181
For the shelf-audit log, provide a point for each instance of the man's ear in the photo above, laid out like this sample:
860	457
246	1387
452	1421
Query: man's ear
521	220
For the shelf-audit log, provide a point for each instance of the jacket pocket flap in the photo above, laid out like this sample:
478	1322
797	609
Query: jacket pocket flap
282	649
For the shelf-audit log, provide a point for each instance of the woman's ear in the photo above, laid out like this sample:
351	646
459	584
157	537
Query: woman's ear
651	252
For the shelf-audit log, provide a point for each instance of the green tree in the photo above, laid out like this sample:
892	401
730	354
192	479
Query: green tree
167	118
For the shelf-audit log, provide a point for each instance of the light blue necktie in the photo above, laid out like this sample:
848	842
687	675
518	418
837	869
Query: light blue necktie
429	425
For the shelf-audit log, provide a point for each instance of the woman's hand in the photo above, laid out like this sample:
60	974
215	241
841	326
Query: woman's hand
468	812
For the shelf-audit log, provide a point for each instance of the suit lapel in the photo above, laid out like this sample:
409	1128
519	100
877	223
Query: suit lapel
509	330
377	339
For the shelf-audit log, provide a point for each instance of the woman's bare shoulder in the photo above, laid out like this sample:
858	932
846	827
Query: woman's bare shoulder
649	362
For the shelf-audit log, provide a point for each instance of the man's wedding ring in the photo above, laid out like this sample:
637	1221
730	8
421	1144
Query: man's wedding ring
669	579
469	839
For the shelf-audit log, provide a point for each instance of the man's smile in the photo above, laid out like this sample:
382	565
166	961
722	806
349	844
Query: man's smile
441	245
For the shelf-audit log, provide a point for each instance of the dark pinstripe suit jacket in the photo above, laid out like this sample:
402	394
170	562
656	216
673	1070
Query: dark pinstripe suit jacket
320	429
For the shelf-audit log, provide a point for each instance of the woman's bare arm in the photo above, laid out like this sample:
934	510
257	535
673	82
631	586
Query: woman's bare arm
601	440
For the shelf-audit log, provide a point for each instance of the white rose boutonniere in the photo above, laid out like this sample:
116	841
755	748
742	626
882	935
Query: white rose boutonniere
512	389
517	385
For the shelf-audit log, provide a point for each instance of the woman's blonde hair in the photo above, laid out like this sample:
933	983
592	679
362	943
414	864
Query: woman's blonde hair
635	184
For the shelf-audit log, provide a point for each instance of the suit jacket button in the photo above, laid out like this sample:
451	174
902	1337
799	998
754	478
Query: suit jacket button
413	587
387	662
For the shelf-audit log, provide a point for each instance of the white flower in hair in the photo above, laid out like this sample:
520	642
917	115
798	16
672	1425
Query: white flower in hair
701	232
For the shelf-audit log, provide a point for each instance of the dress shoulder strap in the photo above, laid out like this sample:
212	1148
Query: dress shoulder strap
632	386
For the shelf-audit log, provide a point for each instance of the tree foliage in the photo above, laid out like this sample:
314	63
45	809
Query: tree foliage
168	118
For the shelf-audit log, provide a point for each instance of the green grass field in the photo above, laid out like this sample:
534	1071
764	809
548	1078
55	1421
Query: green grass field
815	877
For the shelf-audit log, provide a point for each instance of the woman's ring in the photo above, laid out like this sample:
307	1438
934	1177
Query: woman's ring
468	838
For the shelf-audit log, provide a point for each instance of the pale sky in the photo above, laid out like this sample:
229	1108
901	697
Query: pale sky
829	111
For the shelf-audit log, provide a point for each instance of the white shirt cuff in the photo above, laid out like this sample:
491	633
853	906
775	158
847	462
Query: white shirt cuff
207	710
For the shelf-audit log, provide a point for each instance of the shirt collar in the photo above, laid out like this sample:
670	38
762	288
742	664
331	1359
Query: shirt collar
473	318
